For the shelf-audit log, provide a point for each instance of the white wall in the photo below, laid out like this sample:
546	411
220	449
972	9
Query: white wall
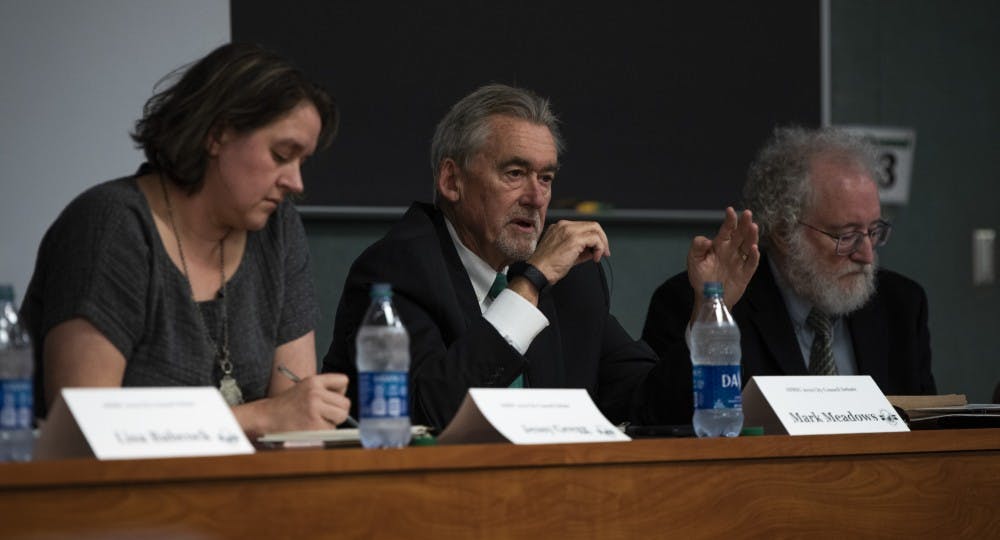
74	75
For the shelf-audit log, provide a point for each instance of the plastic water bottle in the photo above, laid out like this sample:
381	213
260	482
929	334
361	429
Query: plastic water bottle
383	369
715	359
16	367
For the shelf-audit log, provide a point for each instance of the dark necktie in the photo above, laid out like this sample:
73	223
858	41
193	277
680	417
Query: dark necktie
499	284
821	355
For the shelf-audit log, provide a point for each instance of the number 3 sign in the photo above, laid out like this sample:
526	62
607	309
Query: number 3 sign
895	147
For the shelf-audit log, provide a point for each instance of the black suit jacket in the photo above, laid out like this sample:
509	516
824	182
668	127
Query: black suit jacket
890	335
454	348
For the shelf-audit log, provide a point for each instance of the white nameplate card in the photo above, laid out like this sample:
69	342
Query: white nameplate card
529	416
818	405
132	423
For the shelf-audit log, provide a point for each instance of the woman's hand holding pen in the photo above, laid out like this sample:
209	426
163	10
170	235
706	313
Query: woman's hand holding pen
315	402
350	421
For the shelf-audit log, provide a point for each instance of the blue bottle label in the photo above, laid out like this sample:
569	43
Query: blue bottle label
383	394
717	387
15	404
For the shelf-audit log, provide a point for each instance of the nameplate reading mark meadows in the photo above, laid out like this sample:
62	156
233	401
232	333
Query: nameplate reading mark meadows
816	405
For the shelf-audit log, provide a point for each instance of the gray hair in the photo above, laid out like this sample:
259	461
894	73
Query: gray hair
779	189
464	130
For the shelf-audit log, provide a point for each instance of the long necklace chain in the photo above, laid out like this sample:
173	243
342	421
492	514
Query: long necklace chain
230	390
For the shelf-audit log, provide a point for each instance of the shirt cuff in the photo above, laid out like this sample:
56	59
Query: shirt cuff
516	319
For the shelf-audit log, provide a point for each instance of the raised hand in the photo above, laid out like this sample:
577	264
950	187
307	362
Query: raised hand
731	258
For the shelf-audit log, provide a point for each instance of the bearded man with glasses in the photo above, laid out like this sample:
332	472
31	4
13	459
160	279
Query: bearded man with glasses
818	302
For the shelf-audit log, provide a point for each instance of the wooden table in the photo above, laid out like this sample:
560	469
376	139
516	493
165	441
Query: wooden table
929	484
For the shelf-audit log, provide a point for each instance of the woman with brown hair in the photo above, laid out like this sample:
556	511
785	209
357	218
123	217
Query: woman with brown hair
194	271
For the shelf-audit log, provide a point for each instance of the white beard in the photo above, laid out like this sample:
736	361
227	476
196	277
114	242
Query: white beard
518	247
827	289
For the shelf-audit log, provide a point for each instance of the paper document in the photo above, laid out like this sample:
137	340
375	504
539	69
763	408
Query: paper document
323	437
971	415
922	402
980	409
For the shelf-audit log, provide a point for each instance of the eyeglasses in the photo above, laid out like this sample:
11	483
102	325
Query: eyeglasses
848	243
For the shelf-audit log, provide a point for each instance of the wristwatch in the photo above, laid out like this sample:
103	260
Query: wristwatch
529	272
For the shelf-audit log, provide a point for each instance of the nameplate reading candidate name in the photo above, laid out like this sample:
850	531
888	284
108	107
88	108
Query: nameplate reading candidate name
817	405
131	423
529	416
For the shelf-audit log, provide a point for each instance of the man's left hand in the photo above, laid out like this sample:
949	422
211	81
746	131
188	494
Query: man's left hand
730	258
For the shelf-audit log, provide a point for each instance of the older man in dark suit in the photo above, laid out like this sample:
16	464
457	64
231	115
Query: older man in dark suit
489	301
818	303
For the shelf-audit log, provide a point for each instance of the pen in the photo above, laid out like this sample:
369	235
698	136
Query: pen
295	378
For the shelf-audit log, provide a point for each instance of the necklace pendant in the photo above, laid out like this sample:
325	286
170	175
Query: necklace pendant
230	390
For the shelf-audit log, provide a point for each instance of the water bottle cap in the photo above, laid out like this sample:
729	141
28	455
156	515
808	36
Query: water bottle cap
713	288
6	292
380	290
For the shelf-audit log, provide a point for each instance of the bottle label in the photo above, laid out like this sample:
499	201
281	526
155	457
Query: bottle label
15	404
717	387
383	394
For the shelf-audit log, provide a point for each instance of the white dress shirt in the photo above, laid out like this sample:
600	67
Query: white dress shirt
515	318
